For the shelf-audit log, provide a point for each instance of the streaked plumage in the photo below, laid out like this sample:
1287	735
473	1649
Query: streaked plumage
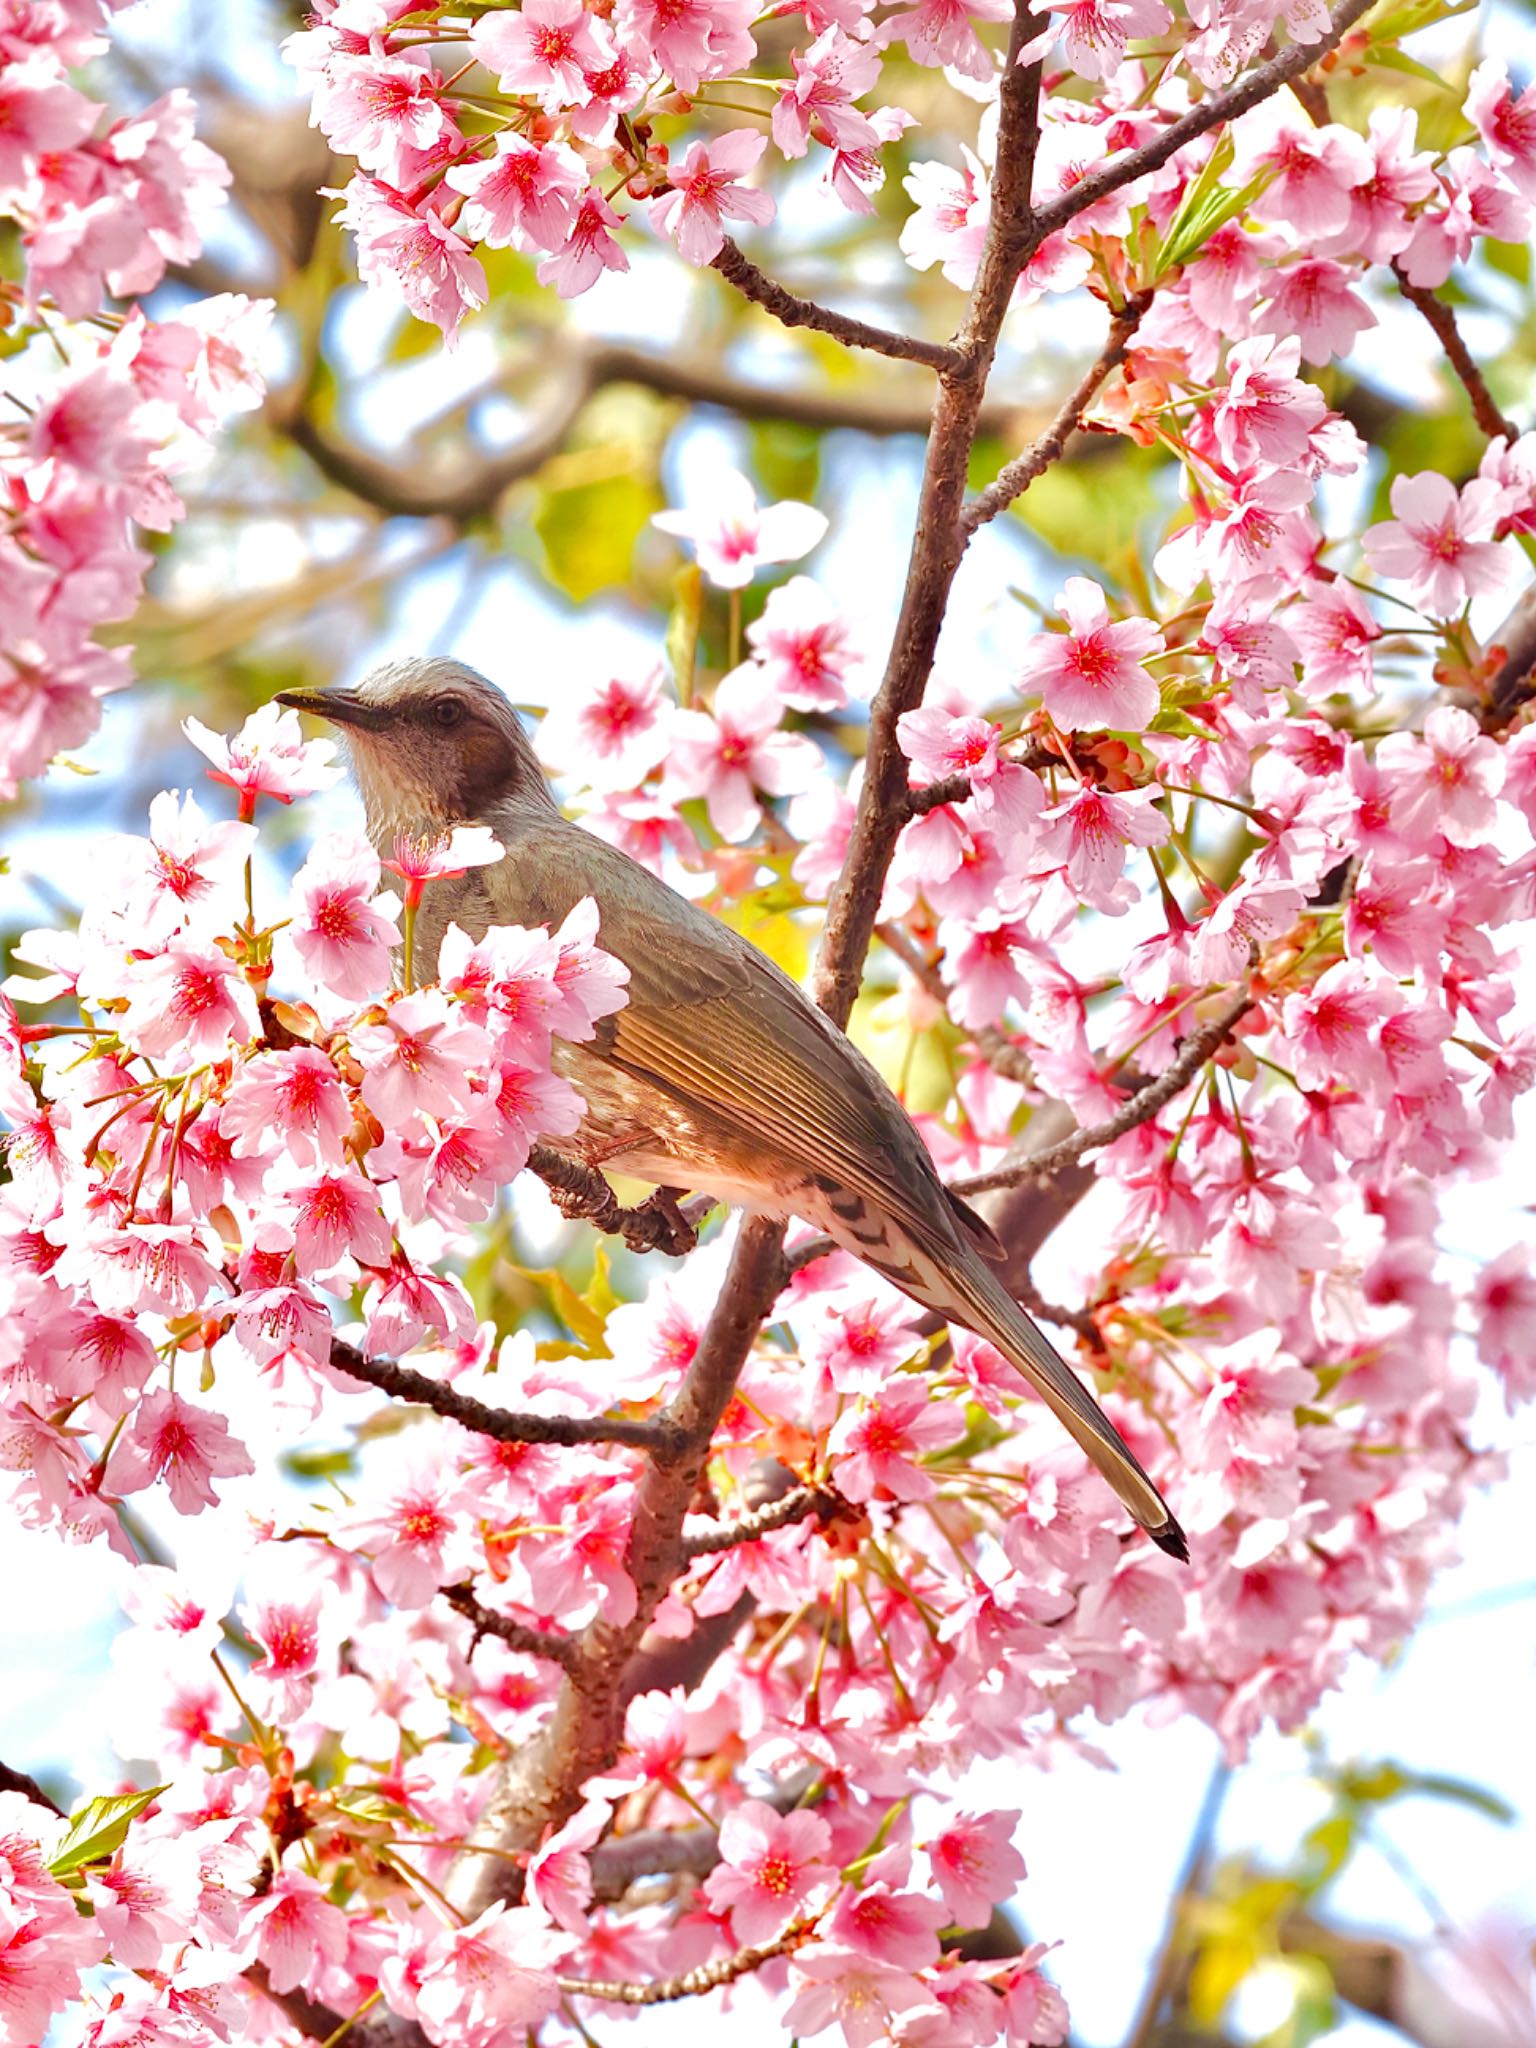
719	1075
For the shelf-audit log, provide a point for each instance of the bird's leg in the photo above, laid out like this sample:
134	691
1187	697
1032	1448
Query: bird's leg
680	1236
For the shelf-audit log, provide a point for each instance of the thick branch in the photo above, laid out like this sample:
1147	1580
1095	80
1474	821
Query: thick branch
1017	476
1137	1109
1215	112
1515	643
403	1383
939	540
1458	355
790	311
467	490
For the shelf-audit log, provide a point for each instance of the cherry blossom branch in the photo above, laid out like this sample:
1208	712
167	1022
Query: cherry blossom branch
1016	477
404	1383
790	311
707	1977
581	1191
517	1635
954	789
938	540
1137	1109
1443	321
796	1506
1247	93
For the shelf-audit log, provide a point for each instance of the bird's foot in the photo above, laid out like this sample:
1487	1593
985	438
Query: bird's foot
658	1224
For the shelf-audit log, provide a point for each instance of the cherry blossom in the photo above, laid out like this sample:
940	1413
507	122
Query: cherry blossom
706	192
1093	674
733	750
733	533
1441	543
772	1867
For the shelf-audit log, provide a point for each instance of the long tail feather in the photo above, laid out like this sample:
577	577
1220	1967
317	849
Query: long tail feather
966	1291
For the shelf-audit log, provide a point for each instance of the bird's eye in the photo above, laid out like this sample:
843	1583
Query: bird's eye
447	712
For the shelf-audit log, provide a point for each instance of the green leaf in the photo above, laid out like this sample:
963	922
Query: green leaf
589	530
1460	1792
1405	20
335	1464
786	457
1509	259
1329	1847
1207	206
98	1829
1095	509
1386	59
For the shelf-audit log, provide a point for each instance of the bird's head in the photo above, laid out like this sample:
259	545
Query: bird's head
433	745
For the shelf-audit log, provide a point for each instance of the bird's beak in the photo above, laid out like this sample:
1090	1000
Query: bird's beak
341	707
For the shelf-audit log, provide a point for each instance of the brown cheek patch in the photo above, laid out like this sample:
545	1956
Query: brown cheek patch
486	772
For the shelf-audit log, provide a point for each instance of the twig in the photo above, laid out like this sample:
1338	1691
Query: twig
403	1383
580	1190
954	789
1136	1109
707	1977
517	1635
797	1506
791	311
18	1781
1448	334
1225	106
1016	477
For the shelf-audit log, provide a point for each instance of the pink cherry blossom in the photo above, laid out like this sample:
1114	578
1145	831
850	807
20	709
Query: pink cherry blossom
420	861
1092	674
587	251
733	533
1441	542
975	1865
176	1441
706	192
419	1059
189	1000
733	750
547	49
772	1869
1506	123
526	195
875	1447
613	732
269	756
342	929
802	643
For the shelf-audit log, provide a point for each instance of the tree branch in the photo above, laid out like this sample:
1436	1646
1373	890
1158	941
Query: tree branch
1137	1109
404	1383
707	1977
1448	334
797	1506
1247	93
939	540
791	311
536	1642
1018	475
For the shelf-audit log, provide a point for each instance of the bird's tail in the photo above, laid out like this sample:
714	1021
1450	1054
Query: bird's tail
966	1291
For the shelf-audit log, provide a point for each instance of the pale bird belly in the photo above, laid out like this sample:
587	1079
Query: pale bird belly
634	1128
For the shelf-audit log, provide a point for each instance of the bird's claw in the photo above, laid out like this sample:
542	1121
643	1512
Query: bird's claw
659	1225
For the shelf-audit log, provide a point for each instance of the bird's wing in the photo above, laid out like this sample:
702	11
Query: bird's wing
712	1021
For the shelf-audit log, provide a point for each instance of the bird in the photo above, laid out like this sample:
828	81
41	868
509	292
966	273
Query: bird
719	1075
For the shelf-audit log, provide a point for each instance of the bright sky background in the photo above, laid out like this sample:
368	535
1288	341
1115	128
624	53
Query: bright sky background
1103	1846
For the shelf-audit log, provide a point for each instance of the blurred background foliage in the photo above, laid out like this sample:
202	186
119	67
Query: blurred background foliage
495	501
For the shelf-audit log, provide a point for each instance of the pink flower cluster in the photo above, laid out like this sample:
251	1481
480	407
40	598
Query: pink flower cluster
101	209
583	89
202	1179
